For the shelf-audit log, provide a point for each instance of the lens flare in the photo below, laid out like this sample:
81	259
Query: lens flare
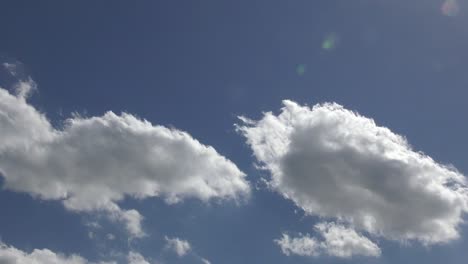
450	8
301	69
330	41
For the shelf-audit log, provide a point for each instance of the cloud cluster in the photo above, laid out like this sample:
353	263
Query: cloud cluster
93	163
335	163
337	241
11	255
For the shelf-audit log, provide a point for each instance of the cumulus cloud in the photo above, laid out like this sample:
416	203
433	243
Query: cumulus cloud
335	163
179	246
11	255
93	163
337	241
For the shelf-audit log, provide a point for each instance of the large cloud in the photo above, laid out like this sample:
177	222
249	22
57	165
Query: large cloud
92	163
12	255
337	241
335	163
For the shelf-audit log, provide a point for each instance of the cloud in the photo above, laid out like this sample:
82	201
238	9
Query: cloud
12	68
25	87
93	163
11	255
182	247
179	246
205	261
302	246
344	242
337	241
136	258
335	163
24	84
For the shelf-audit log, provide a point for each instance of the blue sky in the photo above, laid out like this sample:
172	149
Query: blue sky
195	66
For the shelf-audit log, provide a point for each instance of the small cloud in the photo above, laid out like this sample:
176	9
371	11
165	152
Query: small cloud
336	240
93	224
179	246
25	87
205	261
12	255
302	246
11	68
136	258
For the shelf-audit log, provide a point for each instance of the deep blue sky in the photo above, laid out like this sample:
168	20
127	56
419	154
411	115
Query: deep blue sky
196	65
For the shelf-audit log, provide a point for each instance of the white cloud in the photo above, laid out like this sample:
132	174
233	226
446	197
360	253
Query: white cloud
336	241
11	255
334	163
25	87
25	84
93	163
205	261
302	246
345	242
182	247
136	258
179	246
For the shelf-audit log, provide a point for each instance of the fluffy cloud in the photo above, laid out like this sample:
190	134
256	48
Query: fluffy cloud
11	255
336	241
179	246
335	163
92	163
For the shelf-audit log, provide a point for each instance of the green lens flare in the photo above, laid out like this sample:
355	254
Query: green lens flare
330	41
301	69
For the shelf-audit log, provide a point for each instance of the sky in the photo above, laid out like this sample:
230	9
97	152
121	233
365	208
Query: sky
305	131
